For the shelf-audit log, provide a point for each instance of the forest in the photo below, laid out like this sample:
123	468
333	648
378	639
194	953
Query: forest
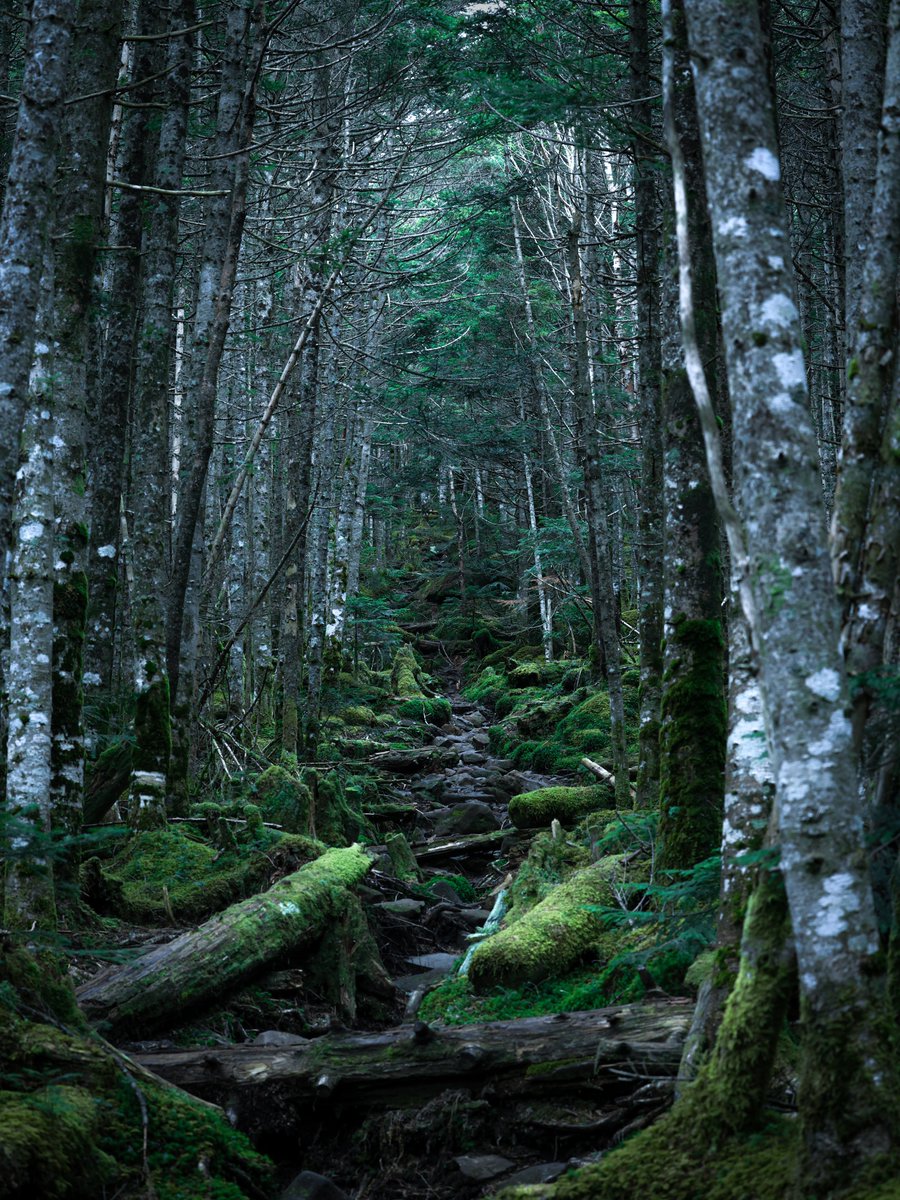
450	521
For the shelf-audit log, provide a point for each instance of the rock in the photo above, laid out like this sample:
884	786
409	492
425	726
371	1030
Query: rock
475	719
475	916
310	1186
471	758
503	765
276	1037
421	982
481	740
402	908
446	891
482	1167
473	816
539	1173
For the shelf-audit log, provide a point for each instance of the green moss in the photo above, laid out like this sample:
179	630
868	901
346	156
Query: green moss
403	861
47	1144
284	800
530	810
459	883
433	711
553	936
549	861
406	673
359	714
692	744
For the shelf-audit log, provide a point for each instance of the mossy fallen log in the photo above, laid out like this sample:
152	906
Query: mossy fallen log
107	778
532	810
399	1067
552	936
234	946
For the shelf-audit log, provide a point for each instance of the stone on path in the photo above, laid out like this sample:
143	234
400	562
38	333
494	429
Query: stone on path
482	1167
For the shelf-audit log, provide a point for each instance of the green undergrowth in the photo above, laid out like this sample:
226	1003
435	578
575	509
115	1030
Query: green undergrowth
549	716
463	888
454	1002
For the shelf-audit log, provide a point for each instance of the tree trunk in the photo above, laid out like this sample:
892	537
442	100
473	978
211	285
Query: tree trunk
847	1083
400	1067
23	227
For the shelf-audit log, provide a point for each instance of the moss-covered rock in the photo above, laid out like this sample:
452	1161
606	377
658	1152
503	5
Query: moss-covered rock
531	810
550	860
554	935
359	714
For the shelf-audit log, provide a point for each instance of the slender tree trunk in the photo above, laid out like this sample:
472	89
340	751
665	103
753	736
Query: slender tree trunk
693	713
149	490
650	508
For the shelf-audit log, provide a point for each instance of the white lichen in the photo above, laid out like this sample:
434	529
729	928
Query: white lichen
764	162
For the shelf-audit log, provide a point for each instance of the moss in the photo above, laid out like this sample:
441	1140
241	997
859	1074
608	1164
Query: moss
406	674
403	861
359	714
335	821
462	886
536	673
489	685
553	936
47	1144
284	800
692	744
550	860
530	810
434	711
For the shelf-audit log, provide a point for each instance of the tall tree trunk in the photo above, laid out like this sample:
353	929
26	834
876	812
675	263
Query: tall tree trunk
78	226
24	226
149	491
693	714
847	1084
650	517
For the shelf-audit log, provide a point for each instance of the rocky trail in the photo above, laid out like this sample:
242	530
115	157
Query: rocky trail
403	1108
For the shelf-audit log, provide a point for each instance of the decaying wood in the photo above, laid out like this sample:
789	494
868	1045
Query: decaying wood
472	843
398	1067
201	965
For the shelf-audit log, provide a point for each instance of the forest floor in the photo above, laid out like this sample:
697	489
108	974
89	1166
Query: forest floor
440	1092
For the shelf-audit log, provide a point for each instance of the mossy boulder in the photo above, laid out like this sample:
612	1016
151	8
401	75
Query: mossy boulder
284	800
536	673
549	862
554	935
359	714
531	810
431	710
403	861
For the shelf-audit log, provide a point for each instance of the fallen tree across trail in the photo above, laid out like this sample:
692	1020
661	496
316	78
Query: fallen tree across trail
401	1067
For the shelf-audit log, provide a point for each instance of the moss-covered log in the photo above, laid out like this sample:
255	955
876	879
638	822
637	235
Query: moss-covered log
199	966
532	810
399	1067
107	779
553	936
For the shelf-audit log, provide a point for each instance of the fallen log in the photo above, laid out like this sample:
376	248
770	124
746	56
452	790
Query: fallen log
607	1049
232	947
606	776
473	843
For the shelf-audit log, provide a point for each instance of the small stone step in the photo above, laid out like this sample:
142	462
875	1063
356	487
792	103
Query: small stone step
482	1167
434	962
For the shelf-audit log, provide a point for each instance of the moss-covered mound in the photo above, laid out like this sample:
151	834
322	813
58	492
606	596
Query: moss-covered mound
406	674
174	875
549	862
77	1123
284	800
530	810
554	935
432	710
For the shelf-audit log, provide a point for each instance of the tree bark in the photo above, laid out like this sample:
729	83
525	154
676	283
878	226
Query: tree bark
846	1082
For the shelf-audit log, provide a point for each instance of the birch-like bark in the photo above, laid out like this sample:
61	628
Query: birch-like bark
24	224
846	1084
29	893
